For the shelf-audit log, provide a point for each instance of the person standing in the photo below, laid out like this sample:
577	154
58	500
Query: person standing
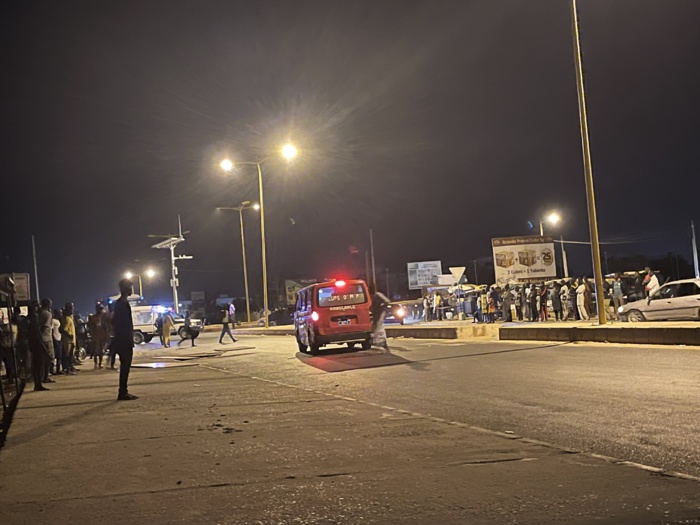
518	303
378	313
36	347
555	294
68	339
564	298
618	294
581	300
98	331
56	336
46	327
544	296
168	326
159	328
483	307
534	310
652	284
225	329
426	308
123	342
437	307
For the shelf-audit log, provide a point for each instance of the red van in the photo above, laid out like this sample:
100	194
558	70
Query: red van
333	312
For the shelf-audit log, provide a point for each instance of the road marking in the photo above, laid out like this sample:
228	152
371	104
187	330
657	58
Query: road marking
567	450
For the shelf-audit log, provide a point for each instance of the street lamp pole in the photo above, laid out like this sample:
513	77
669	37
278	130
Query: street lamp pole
588	169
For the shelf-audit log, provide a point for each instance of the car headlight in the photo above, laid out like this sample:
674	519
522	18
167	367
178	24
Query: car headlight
400	312
620	309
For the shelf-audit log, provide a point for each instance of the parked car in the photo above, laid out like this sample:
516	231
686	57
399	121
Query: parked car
675	300
279	317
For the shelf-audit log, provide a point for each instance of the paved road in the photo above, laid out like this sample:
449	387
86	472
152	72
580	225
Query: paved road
639	404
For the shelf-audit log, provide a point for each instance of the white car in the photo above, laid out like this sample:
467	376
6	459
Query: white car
676	300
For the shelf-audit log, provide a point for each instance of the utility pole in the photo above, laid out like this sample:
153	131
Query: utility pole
587	166
371	245
36	271
695	251
476	275
171	241
563	257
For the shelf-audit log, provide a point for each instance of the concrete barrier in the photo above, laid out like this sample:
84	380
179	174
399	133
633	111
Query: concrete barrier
626	334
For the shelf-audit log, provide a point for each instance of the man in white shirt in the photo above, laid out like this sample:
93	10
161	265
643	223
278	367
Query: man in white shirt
652	284
581	300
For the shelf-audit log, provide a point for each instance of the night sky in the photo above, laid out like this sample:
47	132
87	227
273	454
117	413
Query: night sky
438	124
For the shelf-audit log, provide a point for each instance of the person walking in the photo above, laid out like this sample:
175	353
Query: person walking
159	328
581	300
46	325
168	326
618	294
98	332
378	313
191	332
225	329
123	342
68	339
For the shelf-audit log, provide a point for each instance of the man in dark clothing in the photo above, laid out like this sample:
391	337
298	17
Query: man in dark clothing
123	342
36	346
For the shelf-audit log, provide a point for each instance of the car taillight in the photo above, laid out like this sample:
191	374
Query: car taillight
314	316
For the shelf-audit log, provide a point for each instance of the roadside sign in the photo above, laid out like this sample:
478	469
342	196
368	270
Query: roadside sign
21	281
457	272
423	273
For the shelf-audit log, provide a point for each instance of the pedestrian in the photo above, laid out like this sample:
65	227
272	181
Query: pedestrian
518	299
618	293
652	284
190	331
483	307
544	296
378	313
46	326
36	347
99	333
555	294
123	341
159	328
168	327
474	306
225	326
56	336
533	300
68	339
581	300
426	308
232	314
507	302
564	298
437	307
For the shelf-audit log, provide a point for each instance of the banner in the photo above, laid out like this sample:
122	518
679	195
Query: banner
423	273
523	259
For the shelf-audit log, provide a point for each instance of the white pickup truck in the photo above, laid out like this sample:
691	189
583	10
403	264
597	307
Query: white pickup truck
144	318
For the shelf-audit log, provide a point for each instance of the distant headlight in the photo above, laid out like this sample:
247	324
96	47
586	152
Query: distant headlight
400	312
620	309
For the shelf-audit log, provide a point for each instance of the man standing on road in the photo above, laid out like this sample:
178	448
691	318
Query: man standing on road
581	300
618	293
68	340
123	343
46	323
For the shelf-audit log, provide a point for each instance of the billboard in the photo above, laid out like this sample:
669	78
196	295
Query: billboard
21	285
292	286
523	259
423	273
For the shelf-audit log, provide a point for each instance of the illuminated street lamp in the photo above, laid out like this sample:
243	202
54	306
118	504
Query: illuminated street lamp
288	151
552	218
150	273
245	205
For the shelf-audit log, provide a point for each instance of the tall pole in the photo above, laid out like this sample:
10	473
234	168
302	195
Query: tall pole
36	271
476	275
367	266
245	264
262	237
173	280
387	283
140	286
563	257
695	251
587	167
541	229
371	246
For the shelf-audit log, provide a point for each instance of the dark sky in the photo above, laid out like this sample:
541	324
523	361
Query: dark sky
438	124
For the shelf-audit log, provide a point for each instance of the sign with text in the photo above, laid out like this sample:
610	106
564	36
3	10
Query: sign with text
523	259
422	274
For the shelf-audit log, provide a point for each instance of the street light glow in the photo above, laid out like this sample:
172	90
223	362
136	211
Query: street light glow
128	275
553	218
150	273
226	165
256	206
289	151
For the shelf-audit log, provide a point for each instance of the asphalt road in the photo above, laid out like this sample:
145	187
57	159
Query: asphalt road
633	403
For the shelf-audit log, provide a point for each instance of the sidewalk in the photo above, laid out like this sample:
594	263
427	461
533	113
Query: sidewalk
204	445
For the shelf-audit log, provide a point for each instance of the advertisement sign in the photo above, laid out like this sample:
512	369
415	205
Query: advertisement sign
523	259
423	273
21	285
292	286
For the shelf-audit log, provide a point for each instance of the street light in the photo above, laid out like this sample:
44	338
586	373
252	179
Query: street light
245	205
587	166
150	273
288	151
552	218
